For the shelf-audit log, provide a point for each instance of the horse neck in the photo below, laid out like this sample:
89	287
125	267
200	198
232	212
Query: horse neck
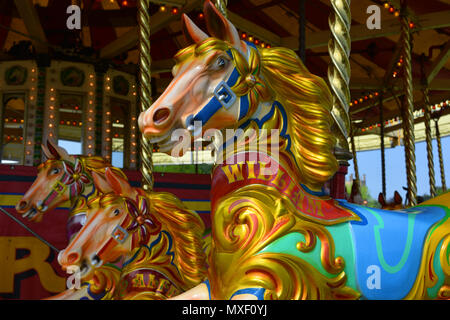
272	140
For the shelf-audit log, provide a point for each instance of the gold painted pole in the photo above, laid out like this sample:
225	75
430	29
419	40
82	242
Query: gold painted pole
429	139
145	91
441	158
339	68
408	110
222	6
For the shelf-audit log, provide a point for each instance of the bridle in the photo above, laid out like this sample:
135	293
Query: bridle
138	219
223	97
74	178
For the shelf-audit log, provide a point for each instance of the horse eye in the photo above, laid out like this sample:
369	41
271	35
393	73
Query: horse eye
54	171
116	212
221	62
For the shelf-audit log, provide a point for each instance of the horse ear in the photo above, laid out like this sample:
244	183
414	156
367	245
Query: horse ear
220	27
397	198
192	33
100	183
381	199
47	152
118	184
57	152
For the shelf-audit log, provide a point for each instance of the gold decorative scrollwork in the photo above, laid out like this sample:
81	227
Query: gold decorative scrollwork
247	221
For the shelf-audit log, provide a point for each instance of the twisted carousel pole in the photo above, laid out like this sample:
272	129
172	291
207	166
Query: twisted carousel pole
339	68
222	6
339	74
429	139
441	158
145	90
408	109
382	148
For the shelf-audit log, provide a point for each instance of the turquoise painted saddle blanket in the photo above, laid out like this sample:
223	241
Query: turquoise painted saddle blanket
388	248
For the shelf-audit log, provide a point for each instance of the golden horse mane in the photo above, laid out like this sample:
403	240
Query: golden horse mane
99	165
307	100
186	229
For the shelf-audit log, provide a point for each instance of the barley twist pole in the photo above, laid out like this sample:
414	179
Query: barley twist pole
222	6
441	158
382	148
145	92
339	68
429	139
408	117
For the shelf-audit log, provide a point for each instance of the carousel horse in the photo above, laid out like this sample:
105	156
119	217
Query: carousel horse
395	204
275	233
63	178
152	239
66	178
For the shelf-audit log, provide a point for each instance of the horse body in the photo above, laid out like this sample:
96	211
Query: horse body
400	263
275	234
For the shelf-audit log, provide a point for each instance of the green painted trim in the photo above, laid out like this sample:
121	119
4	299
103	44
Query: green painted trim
341	234
409	239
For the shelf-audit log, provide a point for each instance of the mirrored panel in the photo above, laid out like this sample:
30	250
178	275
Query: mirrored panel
13	129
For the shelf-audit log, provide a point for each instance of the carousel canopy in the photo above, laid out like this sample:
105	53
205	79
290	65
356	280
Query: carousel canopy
109	36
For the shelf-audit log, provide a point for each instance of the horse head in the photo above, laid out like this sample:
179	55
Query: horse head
116	223
216	82
60	177
221	82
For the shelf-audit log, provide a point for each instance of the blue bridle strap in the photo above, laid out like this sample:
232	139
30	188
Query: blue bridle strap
228	97
215	104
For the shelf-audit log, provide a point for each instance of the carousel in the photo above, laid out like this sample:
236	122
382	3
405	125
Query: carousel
197	150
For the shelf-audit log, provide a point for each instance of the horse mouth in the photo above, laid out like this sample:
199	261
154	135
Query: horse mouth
85	269
88	266
164	143
35	212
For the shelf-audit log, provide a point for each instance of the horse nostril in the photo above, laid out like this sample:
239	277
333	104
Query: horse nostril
72	258
161	115
22	205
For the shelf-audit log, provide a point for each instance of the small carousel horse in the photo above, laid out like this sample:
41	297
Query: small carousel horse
275	233
61	178
395	204
152	239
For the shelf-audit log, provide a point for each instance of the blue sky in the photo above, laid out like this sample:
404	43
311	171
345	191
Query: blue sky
369	163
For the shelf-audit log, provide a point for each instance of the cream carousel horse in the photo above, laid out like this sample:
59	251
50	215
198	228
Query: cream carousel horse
150	244
275	233
63	178
68	178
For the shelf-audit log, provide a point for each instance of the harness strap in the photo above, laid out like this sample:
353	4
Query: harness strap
223	97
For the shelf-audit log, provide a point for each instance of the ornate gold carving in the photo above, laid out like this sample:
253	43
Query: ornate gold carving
248	220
